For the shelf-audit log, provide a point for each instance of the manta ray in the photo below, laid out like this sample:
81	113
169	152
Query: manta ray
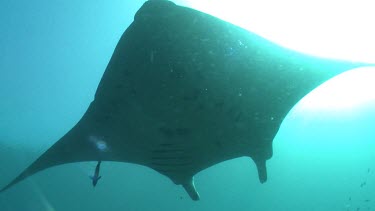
184	91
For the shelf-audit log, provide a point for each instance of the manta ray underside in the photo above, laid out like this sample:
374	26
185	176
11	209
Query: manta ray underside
184	91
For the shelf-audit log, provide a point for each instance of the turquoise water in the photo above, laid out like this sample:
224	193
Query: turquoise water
52	57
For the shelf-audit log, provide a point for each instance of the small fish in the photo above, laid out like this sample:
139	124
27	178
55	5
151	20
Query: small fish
95	178
367	200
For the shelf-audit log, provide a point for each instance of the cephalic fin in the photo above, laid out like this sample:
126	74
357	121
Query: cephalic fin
190	189
262	169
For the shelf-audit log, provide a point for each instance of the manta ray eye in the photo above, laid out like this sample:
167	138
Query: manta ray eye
99	143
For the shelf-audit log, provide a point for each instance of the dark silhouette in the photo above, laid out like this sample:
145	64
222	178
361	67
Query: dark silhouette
95	178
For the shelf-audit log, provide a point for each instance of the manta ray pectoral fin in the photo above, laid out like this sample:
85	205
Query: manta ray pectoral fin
68	149
190	189
38	165
262	169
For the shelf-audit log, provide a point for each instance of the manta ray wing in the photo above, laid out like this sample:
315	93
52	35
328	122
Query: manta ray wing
184	91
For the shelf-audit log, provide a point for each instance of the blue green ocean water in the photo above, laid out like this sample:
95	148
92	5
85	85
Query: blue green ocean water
52	56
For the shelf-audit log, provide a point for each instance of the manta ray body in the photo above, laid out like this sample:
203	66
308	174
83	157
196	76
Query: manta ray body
184	91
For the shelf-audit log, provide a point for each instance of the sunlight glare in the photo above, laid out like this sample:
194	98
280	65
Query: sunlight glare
348	90
334	29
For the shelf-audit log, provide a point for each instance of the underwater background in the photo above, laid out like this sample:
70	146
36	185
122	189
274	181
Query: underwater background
52	56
